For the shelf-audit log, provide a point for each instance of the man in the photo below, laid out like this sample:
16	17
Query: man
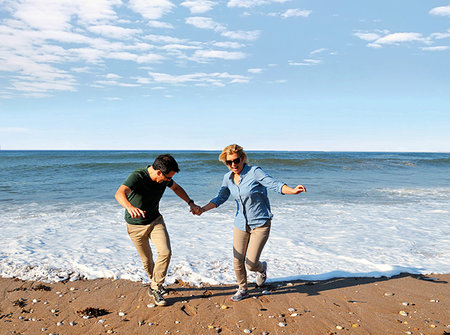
140	195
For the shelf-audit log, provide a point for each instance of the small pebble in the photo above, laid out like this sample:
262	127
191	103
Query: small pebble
121	314
405	303
403	313
177	322
290	284
224	307
294	314
265	292
101	321
141	323
72	323
282	324
247	331
151	305
43	329
59	324
389	294
85	316
291	309
339	327
21	317
408	332
45	303
434	300
35	301
150	323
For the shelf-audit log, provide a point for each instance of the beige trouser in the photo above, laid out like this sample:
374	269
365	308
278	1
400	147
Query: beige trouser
247	248
155	231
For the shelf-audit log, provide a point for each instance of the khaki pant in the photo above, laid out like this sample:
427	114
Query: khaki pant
247	248
155	231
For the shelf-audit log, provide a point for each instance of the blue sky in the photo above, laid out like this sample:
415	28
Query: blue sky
201	74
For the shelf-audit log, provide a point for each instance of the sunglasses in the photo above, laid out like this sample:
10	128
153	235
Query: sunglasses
165	176
235	161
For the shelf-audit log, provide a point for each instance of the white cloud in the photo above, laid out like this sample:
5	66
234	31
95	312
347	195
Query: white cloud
295	13
159	24
204	23
242	35
318	51
252	3
230	45
397	38
216	79
114	31
440	36
442	11
228	55
436	48
152	10
367	36
305	62
199	6
207	23
255	70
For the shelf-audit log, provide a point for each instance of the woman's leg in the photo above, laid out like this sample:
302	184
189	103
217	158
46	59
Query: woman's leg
257	241
240	243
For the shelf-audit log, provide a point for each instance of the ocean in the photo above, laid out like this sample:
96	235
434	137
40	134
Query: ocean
364	214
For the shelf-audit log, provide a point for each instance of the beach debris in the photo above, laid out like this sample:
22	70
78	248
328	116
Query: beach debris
20	302
91	312
72	323
403	313
151	305
35	301
408	332
282	324
434	300
141	323
291	309
59	323
247	331
41	287
289	284
265	333
405	303
355	325
339	327
121	313
150	323
294	314
73	289
389	294
43	329
54	311
224	307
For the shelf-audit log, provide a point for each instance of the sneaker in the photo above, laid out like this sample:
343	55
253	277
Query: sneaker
157	297
262	276
163	291
239	295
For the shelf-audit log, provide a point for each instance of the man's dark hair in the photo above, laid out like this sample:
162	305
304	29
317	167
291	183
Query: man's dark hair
165	163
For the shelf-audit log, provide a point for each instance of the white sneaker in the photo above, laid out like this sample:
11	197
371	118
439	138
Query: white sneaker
262	276
239	295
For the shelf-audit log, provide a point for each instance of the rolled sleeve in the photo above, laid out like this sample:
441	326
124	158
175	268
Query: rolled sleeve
268	181
224	193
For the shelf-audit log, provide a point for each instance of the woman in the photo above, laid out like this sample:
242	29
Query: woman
248	185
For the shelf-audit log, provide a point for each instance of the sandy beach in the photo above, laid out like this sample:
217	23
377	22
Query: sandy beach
404	304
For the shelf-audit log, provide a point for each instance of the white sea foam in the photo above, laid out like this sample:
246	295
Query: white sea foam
309	240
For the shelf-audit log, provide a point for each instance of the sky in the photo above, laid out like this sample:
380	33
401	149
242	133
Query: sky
335	75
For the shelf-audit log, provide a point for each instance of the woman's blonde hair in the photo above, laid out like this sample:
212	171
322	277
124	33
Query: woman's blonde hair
233	149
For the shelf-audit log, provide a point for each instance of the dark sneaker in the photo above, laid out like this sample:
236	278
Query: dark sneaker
261	276
163	291
157	297
239	295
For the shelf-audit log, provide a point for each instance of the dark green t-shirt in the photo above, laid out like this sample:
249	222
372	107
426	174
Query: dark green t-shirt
145	194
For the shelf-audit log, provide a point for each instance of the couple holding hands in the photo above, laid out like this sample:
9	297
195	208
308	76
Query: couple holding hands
141	192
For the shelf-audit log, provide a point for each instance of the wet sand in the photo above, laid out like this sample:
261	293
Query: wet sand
404	304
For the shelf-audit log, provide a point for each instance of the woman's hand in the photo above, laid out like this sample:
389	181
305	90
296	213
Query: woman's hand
296	190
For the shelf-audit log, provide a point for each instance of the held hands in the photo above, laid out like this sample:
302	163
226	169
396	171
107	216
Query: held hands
196	210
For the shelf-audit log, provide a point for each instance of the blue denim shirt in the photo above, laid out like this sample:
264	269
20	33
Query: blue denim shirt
253	207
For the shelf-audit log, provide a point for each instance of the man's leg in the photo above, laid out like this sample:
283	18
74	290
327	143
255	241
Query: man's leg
240	243
160	239
139	234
